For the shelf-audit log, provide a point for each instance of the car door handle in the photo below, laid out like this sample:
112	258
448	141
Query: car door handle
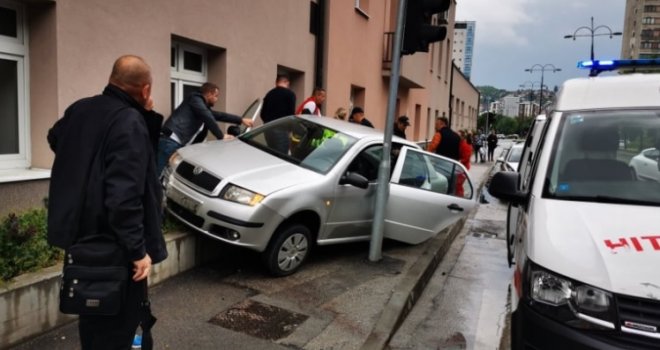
455	207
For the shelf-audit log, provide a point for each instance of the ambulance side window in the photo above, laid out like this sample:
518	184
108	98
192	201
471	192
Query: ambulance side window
533	160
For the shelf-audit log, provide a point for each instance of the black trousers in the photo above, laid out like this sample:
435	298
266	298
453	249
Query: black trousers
115	332
491	149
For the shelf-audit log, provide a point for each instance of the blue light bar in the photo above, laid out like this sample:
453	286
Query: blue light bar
607	65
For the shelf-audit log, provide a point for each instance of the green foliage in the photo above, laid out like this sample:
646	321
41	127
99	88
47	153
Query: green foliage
506	126
170	224
491	93
23	246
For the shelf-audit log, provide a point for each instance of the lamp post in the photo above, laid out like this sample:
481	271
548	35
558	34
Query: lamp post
542	68
531	89
592	33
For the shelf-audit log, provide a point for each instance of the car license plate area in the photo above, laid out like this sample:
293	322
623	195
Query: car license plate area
183	200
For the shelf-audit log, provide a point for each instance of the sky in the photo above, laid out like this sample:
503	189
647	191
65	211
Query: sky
514	35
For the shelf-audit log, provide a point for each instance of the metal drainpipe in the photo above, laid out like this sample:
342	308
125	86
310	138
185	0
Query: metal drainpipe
320	41
451	92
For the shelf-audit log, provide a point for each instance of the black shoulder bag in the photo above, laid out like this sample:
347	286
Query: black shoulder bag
96	268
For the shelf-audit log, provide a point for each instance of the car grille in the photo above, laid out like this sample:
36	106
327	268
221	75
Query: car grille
185	214
641	311
203	180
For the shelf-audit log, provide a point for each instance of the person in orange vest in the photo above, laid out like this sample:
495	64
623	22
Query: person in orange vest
312	105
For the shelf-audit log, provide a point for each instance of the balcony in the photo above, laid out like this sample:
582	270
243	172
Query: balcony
414	70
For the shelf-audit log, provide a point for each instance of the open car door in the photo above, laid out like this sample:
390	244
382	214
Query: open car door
252	112
428	193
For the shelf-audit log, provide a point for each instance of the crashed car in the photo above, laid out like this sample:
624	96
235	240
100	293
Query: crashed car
302	181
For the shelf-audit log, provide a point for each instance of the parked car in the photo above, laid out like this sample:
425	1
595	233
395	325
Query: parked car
511	157
645	165
321	191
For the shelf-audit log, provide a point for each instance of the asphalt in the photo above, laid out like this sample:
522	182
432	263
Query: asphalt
339	300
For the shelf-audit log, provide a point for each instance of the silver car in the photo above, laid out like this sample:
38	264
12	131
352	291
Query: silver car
304	180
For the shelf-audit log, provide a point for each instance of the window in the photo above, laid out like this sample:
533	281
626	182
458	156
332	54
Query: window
14	126
648	20
357	97
362	7
189	70
590	162
434	174
650	8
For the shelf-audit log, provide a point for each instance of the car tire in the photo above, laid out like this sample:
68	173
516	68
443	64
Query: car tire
287	250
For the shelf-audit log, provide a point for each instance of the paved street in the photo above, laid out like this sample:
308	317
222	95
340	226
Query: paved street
335	301
464	305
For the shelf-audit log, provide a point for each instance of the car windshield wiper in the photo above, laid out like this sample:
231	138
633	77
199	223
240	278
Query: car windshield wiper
609	199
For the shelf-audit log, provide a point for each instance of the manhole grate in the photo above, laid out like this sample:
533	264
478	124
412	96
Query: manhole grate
259	320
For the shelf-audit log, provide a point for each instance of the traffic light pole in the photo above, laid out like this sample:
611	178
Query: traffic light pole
383	190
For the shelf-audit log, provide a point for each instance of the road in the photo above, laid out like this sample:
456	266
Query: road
465	304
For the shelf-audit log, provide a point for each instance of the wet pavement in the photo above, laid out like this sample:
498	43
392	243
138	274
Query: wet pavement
465	304
339	300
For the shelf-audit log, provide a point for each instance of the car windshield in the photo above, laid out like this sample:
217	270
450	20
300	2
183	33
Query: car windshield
595	158
302	142
515	153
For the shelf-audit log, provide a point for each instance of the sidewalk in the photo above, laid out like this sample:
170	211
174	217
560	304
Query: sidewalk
339	300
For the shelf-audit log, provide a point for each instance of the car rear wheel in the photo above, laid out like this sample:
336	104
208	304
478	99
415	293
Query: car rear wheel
287	250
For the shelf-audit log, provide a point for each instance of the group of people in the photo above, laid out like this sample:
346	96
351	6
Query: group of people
484	146
460	146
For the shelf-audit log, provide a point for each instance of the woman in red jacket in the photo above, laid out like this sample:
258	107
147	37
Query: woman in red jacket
464	155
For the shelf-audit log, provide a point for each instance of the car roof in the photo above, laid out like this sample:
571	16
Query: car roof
352	129
610	92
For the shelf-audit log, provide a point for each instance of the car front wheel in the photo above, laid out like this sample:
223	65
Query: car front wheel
287	250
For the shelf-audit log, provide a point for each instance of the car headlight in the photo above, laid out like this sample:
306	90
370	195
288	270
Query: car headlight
550	289
240	195
577	304
175	160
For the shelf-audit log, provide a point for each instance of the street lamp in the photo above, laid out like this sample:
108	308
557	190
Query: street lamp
592	33
531	89
542	68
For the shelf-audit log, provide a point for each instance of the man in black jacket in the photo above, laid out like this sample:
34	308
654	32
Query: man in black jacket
104	182
400	126
445	142
193	117
279	102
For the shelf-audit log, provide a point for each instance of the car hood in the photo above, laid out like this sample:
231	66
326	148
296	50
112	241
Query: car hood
610	246
246	166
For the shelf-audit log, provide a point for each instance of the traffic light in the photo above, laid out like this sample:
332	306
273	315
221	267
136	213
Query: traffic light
419	31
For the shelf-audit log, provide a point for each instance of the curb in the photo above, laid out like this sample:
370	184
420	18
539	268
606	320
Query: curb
408	291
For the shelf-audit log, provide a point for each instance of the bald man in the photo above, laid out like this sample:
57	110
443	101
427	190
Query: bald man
104	188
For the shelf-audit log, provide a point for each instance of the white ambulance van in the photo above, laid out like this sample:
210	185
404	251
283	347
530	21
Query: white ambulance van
583	228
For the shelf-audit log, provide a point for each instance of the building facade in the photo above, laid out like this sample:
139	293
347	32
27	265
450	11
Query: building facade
641	32
54	52
464	46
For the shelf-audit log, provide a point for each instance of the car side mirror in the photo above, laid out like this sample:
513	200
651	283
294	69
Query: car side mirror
504	186
354	179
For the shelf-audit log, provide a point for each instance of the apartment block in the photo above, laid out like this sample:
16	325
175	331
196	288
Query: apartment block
641	33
